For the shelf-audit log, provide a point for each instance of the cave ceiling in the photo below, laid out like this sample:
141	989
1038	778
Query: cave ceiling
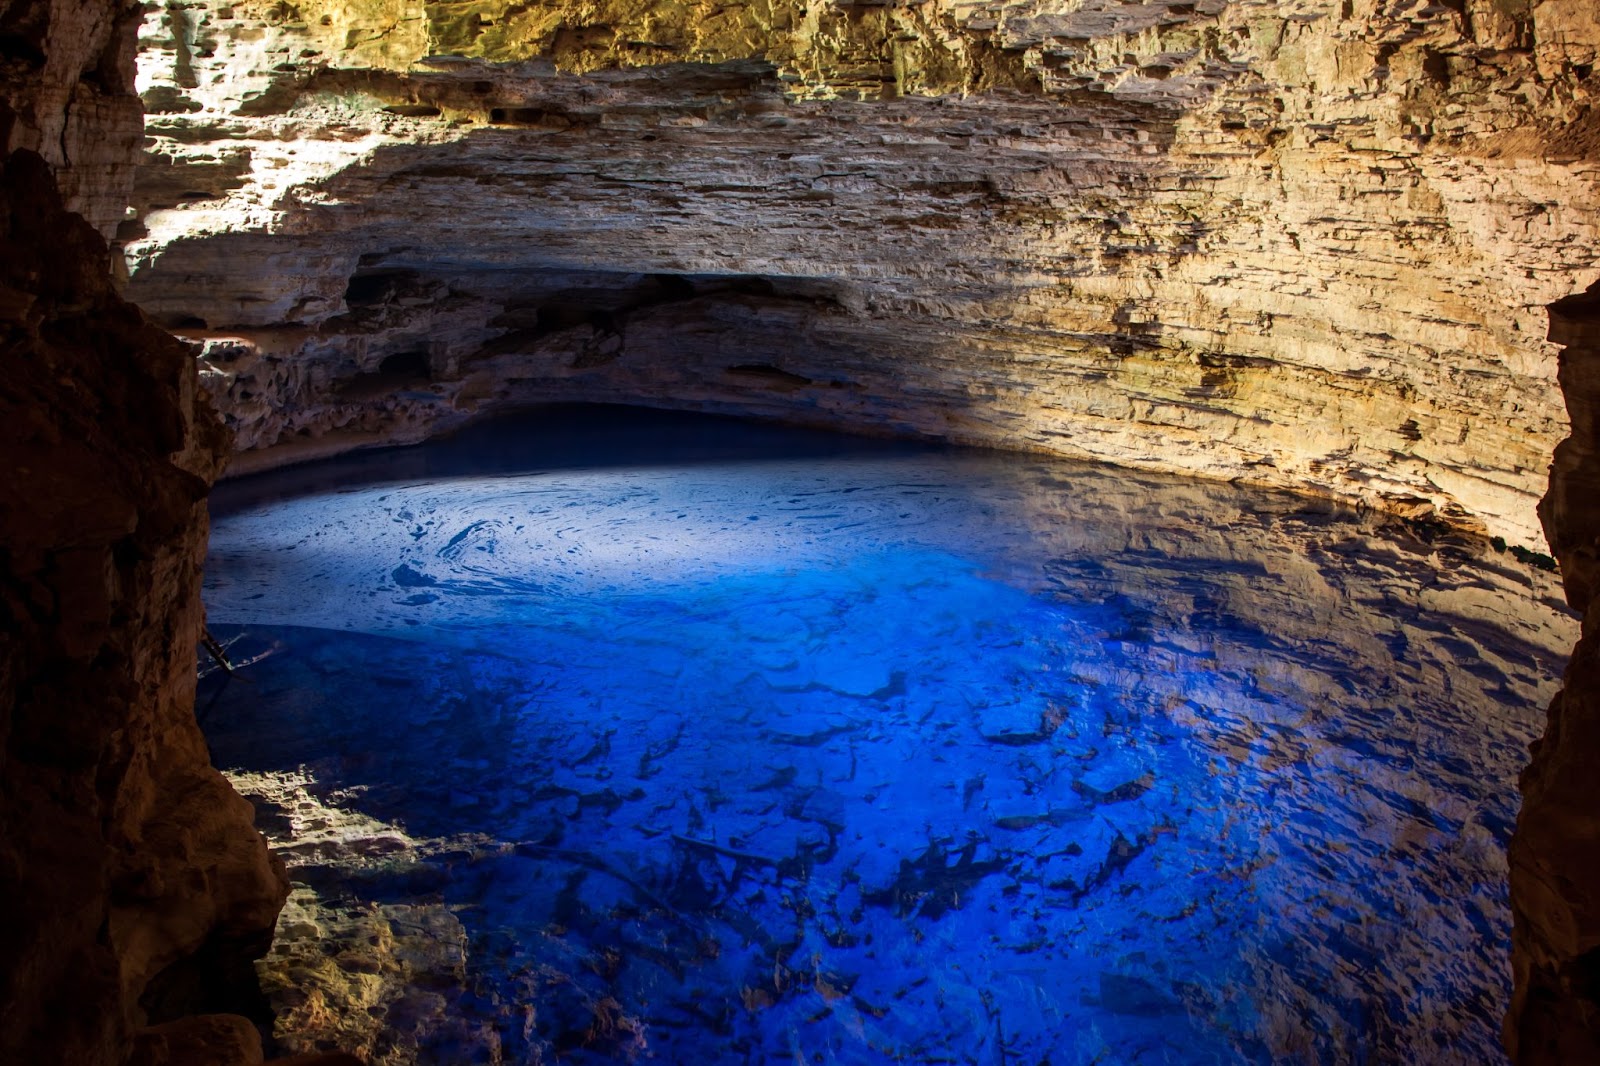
1297	244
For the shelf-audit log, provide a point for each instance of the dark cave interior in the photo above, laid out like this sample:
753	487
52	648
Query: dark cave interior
139	890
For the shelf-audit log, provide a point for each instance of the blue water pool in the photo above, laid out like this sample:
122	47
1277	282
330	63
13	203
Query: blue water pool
605	736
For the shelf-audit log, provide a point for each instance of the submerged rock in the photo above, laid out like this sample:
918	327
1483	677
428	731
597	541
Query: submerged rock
931	885
746	869
1122	994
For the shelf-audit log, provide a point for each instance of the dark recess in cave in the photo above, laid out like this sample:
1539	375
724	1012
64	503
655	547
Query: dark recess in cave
371	288
396	373
405	364
1555	852
772	376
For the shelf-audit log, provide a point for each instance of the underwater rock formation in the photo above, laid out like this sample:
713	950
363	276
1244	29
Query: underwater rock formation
1300	244
881	755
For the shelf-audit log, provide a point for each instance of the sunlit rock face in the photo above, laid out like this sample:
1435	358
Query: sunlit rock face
66	74
1301	244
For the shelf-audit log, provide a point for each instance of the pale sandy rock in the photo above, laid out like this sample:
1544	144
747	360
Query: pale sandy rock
68	70
1294	244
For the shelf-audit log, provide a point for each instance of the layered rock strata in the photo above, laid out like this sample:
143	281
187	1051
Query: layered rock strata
1302	244
135	888
68	71
1305	244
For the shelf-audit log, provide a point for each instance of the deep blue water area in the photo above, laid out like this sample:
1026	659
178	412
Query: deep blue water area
601	736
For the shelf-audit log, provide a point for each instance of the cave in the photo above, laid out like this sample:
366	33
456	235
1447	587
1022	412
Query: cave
1337	259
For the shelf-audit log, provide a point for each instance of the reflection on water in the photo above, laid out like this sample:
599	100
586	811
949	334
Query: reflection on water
772	748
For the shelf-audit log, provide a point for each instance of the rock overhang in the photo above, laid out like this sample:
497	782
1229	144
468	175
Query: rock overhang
1305	245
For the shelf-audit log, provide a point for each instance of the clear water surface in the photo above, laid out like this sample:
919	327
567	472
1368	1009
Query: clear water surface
600	736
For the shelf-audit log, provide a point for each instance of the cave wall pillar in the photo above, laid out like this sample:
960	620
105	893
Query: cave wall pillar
1555	854
133	880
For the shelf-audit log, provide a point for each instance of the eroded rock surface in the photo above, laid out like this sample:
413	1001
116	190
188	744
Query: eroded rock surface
1555	858
131	872
1306	244
135	887
1303	244
380	971
67	71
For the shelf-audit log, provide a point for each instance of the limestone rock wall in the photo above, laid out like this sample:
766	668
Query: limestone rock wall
134	884
1305	244
1555	855
68	67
